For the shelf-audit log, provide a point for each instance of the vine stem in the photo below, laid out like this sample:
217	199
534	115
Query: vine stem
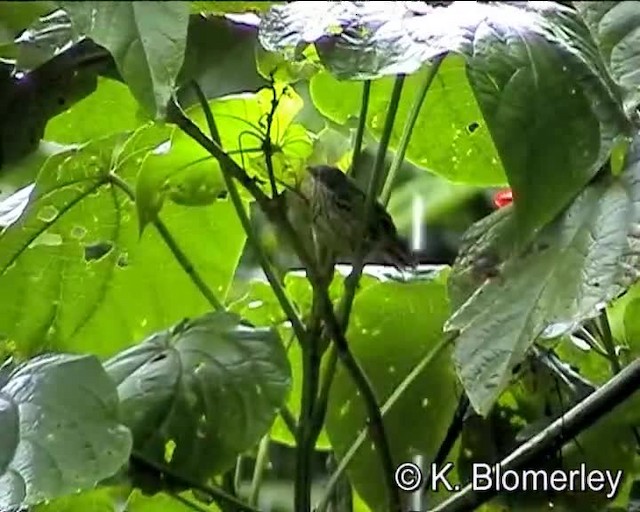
214	493
610	347
351	284
252	237
405	138
362	123
389	403
173	246
562	430
332	356
258	471
313	403
278	217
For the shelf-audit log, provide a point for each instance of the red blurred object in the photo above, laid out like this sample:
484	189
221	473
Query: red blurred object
503	198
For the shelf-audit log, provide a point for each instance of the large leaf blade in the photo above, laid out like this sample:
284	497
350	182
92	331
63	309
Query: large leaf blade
61	430
147	41
210	387
75	262
567	274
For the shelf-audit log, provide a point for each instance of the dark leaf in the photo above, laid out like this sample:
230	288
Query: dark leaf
197	396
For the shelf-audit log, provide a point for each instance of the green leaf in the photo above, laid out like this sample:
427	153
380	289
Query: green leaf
44	39
102	499
148	45
356	41
220	57
23	172
241	122
204	7
74	273
568	274
450	137
111	109
138	502
614	26
15	17
210	387
549	110
259	305
388	347
172	172
535	71
60	429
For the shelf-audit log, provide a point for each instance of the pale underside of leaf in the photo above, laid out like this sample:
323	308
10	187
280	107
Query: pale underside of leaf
568	274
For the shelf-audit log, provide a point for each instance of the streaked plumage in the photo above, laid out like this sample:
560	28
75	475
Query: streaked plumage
335	209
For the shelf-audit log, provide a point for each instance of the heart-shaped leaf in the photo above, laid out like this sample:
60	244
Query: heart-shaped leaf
535	71
209	388
60	429
567	274
75	262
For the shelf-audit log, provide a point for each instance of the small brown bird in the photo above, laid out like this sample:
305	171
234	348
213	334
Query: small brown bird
335	208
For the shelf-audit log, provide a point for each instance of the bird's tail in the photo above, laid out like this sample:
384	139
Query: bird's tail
396	252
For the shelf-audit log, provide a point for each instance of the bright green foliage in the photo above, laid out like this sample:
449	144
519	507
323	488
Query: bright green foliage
118	241
388	347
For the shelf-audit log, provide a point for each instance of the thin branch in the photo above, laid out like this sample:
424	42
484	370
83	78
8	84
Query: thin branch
188	503
610	347
173	246
550	439
390	402
278	216
308	430
268	147
362	124
253	239
609	344
450	438
215	493
408	128
182	121
258	470
351	283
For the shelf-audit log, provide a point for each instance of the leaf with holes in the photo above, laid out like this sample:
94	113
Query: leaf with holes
148	45
388	347
539	82
450	137
74	273
209	388
566	275
60	429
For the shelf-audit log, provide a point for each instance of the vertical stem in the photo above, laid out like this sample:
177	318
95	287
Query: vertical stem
408	128
258	471
362	123
175	249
